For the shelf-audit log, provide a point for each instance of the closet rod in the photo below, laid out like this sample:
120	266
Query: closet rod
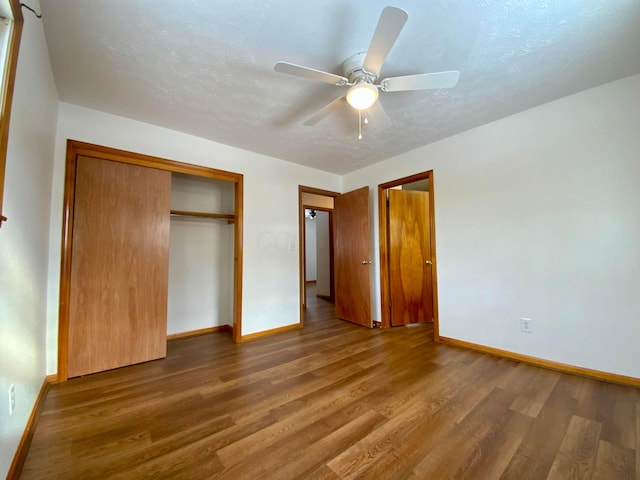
184	213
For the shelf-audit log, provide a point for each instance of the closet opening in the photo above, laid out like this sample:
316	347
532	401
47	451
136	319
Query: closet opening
201	260
149	220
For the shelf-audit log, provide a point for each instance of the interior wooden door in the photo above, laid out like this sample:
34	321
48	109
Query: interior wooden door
410	257
352	257
119	266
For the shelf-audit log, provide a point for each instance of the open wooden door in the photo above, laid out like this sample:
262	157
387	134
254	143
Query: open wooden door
352	257
119	266
410	257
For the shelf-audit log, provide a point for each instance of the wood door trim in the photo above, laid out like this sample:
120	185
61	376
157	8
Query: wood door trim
75	149
311	207
385	316
410	179
108	153
9	80
237	259
317	191
301	243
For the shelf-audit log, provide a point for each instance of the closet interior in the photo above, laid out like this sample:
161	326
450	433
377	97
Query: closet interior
201	245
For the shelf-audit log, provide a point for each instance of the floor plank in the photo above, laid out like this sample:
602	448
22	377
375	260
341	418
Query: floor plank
334	401
458	452
614	461
577	455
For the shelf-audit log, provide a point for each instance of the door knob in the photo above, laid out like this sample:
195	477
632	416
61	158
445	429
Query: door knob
428	262
365	262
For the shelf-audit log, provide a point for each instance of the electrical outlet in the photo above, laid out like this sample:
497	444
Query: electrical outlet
12	399
526	325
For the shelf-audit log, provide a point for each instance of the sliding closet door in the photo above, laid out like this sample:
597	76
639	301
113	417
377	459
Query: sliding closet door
119	266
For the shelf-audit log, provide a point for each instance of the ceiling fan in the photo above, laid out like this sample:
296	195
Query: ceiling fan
361	71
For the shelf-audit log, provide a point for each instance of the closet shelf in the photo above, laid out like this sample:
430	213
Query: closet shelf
184	213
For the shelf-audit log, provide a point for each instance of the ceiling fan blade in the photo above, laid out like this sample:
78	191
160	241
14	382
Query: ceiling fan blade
392	19
378	116
325	111
422	81
309	73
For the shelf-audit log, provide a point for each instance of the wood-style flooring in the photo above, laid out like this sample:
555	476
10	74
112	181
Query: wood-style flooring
335	401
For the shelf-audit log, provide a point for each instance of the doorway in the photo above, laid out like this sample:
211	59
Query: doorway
316	245
407	251
318	253
351	250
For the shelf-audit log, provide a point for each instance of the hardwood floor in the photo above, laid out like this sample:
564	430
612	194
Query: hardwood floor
335	401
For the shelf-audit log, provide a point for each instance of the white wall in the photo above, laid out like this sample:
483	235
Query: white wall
537	216
200	255
310	250
24	238
323	269
271	270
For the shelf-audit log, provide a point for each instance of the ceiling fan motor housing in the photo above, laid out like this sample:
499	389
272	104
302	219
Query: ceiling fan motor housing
352	69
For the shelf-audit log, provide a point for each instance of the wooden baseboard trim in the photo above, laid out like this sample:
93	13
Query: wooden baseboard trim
540	362
264	333
202	331
325	297
310	281
25	441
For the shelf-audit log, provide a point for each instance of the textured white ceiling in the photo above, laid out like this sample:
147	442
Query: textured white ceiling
205	67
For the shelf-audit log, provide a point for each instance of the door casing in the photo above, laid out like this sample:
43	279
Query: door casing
383	214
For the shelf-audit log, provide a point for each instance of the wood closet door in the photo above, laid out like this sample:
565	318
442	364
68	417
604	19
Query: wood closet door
410	257
119	266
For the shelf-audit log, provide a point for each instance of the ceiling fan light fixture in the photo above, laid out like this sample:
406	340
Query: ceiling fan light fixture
362	95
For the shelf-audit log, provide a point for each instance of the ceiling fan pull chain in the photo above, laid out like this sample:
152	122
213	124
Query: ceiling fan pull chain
359	125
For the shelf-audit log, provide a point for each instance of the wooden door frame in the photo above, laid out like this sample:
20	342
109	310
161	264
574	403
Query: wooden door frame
302	245
76	148
383	228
